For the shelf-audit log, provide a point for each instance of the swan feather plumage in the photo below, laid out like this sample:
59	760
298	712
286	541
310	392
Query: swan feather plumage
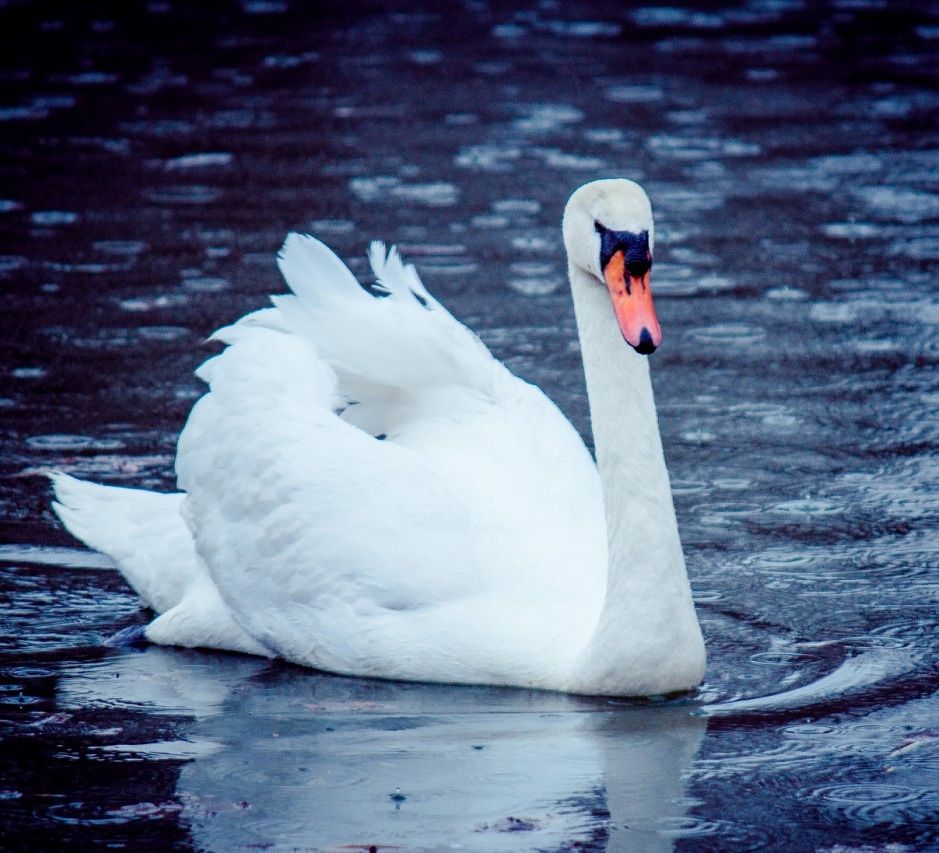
364	489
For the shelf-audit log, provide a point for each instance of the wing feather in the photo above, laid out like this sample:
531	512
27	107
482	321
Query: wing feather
356	555
401	338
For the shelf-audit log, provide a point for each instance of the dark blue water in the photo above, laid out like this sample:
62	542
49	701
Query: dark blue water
152	157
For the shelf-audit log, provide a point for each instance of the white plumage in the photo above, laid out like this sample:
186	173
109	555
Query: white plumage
365	490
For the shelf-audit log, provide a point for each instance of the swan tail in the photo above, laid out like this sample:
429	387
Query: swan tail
143	532
395	335
146	535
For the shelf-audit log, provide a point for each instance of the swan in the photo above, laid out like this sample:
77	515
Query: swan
365	490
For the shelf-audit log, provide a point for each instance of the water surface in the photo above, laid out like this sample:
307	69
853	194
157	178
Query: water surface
152	159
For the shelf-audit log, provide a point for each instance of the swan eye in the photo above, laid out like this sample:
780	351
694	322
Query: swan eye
598	227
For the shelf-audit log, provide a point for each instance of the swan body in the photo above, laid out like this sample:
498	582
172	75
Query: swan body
364	489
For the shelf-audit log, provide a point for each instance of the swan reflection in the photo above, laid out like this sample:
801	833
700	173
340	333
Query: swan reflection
286	757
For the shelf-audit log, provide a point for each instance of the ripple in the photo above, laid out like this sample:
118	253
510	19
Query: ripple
488	158
794	177
425	57
698	436
557	159
533	243
12	263
811	730
584	29
683	147
461	119
202	160
448	266
809	506
163	333
59	442
121	247
183	194
833	312
541	118
386	188
675	280
689	487
874	345
23	113
166	750
754	409
242	119
541	286
437	194
53	217
680	198
790	755
786	294
120	147
762	75
782	422
169	128
332	226
146	810
207	284
608	135
532	268
875	802
86	814
264	7
733	334
432	249
87	78
851	230
151	303
46	555
899	204
779	658
854	675
516	205
489	220
732	484
91	268
703	596
849	164
917	248
159	80
725	513
635	94
285	60
28	372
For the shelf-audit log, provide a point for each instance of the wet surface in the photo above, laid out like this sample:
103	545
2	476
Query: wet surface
152	161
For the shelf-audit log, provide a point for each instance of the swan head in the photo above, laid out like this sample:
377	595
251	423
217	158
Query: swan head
609	234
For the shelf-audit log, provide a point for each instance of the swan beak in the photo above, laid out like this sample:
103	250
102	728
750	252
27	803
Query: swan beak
631	296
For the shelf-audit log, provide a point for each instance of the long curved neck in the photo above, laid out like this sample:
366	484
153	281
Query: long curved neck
647	638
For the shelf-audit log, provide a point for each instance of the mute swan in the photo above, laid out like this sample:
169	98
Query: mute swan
365	490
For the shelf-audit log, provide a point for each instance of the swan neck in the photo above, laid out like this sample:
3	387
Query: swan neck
622	412
647	638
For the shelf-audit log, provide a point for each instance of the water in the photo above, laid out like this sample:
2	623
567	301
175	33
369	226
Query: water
152	161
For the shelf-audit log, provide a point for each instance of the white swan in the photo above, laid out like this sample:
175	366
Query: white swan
365	490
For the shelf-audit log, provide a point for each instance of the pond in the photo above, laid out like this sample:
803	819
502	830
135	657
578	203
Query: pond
154	157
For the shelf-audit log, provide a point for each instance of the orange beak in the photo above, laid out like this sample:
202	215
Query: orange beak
632	302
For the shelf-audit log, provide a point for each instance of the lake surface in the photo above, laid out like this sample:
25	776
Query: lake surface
152	160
